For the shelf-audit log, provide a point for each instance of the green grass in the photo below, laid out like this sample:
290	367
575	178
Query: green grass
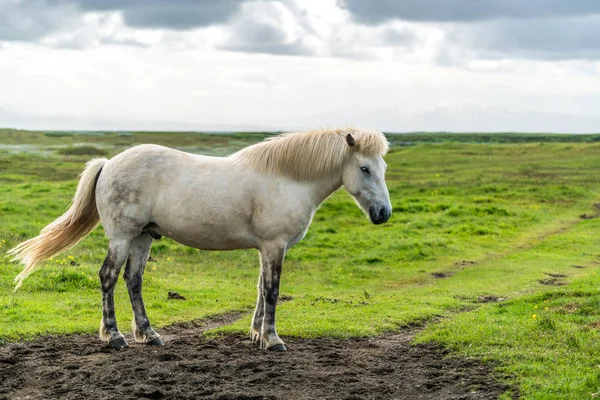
496	218
508	137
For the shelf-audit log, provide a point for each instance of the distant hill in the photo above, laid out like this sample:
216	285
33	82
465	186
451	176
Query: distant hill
9	119
465	118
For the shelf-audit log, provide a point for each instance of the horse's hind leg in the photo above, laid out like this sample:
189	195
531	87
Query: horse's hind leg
271	262
134	271
109	274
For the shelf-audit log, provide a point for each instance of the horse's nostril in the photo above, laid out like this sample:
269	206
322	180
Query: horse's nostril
384	214
373	214
379	215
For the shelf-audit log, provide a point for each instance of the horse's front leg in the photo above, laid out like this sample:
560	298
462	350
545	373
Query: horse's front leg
259	311
271	261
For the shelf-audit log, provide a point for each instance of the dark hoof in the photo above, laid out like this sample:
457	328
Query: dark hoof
277	347
119	343
156	342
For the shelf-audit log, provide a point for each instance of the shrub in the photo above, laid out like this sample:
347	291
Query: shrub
82	151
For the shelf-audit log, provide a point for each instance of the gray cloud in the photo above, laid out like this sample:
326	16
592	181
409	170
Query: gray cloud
82	43
32	20
262	38
171	14
532	29
378	11
260	28
398	37
565	38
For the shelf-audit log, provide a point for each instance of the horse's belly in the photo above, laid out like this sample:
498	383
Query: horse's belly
207	237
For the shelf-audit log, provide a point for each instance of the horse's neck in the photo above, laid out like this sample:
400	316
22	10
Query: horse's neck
322	189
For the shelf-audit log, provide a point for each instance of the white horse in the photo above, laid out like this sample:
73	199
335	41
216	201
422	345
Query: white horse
262	197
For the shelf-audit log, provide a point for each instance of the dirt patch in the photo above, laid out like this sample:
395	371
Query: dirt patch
595	214
570	308
192	366
552	282
464	263
175	296
331	300
555	275
490	298
440	275
594	325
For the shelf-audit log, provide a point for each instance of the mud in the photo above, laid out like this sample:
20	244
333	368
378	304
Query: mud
552	282
464	263
555	275
441	275
230	367
490	298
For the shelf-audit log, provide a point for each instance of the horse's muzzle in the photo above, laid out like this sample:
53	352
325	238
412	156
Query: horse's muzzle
379	215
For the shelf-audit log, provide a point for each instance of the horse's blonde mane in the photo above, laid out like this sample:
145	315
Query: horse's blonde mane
309	155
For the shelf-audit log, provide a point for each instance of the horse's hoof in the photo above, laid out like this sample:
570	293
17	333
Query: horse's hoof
156	342
277	347
118	343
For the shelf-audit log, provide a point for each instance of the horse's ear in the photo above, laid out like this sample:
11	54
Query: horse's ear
350	140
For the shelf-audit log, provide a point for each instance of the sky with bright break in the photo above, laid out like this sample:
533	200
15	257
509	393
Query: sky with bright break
401	65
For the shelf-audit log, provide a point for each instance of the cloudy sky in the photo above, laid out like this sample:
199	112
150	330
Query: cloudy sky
394	65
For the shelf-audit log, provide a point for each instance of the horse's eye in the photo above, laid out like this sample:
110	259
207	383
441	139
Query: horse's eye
365	170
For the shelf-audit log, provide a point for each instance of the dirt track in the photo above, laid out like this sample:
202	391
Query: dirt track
190	366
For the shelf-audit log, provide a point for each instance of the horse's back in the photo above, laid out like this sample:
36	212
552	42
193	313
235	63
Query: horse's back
191	198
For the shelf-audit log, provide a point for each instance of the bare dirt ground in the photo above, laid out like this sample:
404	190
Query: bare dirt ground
192	366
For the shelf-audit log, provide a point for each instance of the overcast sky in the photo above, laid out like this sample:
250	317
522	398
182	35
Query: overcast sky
403	65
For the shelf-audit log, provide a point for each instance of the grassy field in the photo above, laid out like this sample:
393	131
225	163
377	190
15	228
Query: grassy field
494	246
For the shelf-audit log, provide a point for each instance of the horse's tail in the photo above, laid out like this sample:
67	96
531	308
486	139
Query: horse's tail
68	229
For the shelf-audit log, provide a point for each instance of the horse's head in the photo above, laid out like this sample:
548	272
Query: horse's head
363	177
